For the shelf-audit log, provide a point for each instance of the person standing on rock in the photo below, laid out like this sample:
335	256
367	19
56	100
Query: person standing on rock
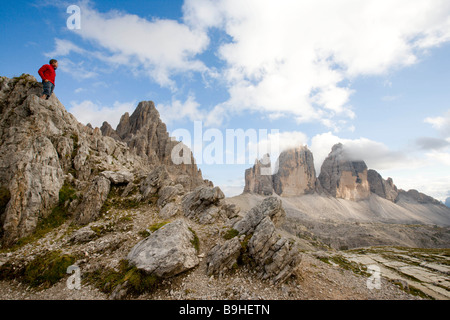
48	74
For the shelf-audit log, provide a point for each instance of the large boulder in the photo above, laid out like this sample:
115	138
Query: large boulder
167	252
203	204
273	256
222	258
119	177
271	207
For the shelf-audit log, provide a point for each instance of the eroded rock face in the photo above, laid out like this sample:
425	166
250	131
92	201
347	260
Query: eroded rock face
259	178
147	136
93	201
157	179
203	205
342	177
296	174
169	194
108	131
167	252
383	188
419	197
271	207
223	258
120	177
40	143
274	257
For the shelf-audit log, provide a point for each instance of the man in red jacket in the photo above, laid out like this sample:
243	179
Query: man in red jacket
48	74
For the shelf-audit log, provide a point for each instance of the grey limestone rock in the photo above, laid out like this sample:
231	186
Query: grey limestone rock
167	252
203	204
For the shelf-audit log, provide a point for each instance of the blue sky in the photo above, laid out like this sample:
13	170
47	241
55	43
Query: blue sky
371	74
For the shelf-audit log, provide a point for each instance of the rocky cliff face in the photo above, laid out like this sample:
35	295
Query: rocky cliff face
147	136
259	178
342	177
296	174
383	188
43	147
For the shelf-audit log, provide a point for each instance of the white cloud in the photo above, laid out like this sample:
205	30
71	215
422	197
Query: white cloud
294	57
442	124
375	154
161	47
275	143
64	48
95	114
76	70
178	110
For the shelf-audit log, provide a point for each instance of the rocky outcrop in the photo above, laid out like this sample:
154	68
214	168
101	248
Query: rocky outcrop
147	136
119	177
93	200
167	252
343	177
108	131
223	258
259	178
157	179
42	146
383	188
296	174
169	194
259	244
271	207
419	197
203	205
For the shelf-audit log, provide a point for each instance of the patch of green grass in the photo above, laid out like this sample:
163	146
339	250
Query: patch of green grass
43	271
76	146
157	226
102	230
416	292
48	269
244	257
138	282
325	260
230	234
195	241
350	265
67	193
115	200
144	233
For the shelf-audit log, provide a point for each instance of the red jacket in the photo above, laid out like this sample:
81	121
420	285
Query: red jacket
47	72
